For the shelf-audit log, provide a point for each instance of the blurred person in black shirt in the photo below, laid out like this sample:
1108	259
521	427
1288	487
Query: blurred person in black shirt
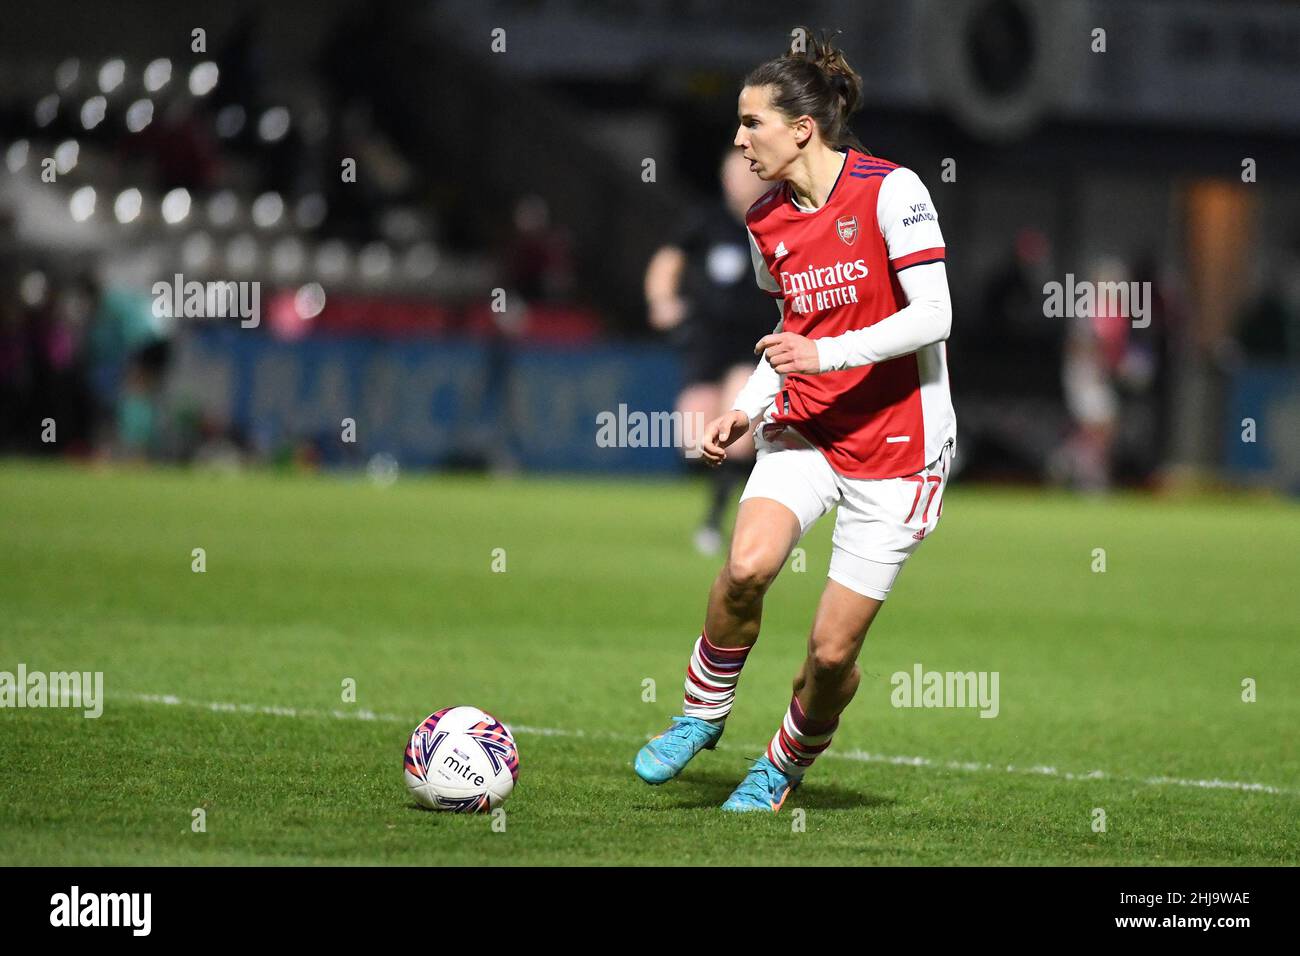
1268	328
699	290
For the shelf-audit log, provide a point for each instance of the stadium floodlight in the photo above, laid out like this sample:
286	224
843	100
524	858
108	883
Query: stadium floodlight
139	115
375	261
82	203
309	300
230	120
157	74
310	210
16	155
33	288
241	252
47	107
93	111
288	256
67	73
111	75
203	78
273	124
127	205
176	205
420	261
223	207
333	259
65	156
268	209
196	250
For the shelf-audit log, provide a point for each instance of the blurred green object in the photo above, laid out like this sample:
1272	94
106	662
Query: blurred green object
136	421
122	325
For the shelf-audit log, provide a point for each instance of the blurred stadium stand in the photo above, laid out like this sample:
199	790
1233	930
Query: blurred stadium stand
522	170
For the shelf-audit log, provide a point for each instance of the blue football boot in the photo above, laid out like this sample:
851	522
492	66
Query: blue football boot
765	787
665	754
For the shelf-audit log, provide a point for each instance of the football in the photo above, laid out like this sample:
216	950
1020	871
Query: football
461	759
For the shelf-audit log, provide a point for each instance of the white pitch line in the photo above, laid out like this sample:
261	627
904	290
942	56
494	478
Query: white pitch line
860	756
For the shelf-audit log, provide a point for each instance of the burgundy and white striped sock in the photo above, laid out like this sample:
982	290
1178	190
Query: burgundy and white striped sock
799	740
711	679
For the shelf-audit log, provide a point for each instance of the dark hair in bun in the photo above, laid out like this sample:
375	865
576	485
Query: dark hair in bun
814	79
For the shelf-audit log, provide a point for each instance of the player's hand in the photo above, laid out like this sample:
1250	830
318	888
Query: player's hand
720	433
787	352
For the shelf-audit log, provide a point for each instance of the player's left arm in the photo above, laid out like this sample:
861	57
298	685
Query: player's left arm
909	225
926	319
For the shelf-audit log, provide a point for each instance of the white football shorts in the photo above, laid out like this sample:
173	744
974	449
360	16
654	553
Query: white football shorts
879	523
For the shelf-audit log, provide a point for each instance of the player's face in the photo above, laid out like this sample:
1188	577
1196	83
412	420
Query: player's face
766	140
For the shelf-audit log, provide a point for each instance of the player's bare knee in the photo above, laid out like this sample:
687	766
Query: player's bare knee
831	661
748	576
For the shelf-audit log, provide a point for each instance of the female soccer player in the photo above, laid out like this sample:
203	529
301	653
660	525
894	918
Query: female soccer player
849	405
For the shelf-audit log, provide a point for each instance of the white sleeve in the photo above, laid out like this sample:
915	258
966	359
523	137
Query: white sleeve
926	319
760	391
761	274
908	220
909	224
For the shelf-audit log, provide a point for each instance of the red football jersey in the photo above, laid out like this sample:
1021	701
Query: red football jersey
836	270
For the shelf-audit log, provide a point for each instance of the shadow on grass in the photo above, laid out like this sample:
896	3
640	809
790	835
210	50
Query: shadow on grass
710	788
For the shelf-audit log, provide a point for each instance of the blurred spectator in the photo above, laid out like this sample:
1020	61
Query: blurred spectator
15	370
538	258
128	356
1157	345
138	417
1103	358
1012	312
700	290
1269	327
60	390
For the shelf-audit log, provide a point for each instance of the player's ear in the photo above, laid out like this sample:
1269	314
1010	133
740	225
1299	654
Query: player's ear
803	128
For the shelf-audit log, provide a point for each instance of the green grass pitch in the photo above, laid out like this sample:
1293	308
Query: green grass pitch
1119	690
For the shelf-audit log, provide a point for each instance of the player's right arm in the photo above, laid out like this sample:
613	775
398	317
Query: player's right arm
662	284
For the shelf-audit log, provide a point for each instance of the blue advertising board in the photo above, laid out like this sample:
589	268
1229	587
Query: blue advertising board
1262	439
432	402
